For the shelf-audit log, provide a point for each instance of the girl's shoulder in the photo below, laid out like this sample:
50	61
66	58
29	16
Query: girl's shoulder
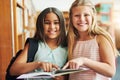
101	39
99	36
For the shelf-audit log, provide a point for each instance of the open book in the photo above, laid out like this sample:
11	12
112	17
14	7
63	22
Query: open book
50	74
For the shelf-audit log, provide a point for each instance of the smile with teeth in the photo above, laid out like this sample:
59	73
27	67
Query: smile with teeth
52	32
80	24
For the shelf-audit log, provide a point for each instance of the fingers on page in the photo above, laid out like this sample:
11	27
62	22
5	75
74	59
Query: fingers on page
55	66
66	66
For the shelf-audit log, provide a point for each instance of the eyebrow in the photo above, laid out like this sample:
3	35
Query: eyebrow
49	20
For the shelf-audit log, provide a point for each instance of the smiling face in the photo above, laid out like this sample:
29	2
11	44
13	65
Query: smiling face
51	26
81	18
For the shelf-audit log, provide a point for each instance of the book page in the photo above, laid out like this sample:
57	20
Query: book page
68	71
50	74
35	75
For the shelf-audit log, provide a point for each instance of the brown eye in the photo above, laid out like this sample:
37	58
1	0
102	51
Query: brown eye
56	23
46	22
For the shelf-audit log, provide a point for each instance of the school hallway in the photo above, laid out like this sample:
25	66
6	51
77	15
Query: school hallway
18	22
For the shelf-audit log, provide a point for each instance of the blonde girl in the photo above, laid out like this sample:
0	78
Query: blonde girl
89	45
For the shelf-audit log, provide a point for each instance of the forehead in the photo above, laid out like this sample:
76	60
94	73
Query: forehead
51	15
82	9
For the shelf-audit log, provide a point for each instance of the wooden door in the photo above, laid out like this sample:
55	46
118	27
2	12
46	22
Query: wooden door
5	36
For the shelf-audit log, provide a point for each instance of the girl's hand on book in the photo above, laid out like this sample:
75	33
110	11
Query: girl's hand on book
47	67
74	63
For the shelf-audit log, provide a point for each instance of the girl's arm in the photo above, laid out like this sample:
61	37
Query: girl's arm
106	66
21	66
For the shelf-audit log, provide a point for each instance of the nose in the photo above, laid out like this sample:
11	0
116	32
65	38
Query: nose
81	18
52	25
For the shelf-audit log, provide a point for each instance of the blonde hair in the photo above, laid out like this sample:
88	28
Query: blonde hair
93	30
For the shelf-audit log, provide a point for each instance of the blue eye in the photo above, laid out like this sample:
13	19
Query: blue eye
86	14
77	15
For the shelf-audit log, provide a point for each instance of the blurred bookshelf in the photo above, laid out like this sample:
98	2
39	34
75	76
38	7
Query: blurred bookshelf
18	24
66	16
104	12
105	17
24	22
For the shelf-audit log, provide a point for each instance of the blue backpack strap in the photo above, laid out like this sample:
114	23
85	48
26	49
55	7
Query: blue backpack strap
33	47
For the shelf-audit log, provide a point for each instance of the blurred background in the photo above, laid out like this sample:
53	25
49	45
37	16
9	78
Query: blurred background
18	18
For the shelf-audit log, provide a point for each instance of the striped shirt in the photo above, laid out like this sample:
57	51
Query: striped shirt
89	49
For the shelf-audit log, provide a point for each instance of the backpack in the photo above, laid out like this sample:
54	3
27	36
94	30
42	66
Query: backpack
33	47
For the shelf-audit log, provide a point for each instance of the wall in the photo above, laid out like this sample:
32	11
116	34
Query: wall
63	5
